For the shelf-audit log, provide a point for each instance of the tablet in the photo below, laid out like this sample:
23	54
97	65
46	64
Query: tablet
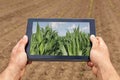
59	39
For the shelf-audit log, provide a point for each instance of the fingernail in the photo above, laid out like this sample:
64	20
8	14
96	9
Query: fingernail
24	37
92	36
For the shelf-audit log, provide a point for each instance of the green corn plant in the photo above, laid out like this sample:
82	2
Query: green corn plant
38	33
47	42
33	44
41	48
63	49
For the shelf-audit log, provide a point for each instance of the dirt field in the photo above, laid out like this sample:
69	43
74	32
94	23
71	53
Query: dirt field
13	21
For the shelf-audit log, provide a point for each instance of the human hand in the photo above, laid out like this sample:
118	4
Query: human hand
100	60
99	53
18	61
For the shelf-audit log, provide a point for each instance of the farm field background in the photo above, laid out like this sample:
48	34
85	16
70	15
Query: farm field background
13	22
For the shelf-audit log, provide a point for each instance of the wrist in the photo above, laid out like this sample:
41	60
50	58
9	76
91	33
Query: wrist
108	72
11	73
105	65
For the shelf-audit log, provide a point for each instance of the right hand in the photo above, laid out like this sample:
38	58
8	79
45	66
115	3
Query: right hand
99	54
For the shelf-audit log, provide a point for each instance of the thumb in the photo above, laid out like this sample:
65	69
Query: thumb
94	41
23	42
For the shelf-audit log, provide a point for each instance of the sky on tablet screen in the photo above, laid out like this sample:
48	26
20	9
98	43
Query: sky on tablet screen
63	27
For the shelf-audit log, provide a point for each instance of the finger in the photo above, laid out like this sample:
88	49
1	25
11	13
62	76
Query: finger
90	64
29	62
94	41
22	43
22	72
101	41
16	47
19	42
94	70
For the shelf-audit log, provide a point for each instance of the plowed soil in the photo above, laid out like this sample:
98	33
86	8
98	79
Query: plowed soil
13	22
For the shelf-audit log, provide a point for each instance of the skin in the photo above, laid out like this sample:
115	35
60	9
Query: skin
100	60
18	62
99	55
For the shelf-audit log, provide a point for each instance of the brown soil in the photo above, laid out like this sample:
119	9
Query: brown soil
13	21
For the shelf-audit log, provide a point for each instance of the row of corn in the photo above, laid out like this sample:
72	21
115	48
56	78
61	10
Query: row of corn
47	42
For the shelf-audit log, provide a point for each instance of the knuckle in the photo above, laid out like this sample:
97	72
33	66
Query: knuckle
13	50
100	38
19	49
97	36
93	50
21	42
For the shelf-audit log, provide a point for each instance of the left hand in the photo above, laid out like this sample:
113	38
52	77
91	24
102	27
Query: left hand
18	61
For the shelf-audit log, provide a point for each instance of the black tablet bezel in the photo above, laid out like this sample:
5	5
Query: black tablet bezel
56	58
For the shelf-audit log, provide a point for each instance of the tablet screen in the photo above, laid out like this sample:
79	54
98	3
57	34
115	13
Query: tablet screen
60	38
